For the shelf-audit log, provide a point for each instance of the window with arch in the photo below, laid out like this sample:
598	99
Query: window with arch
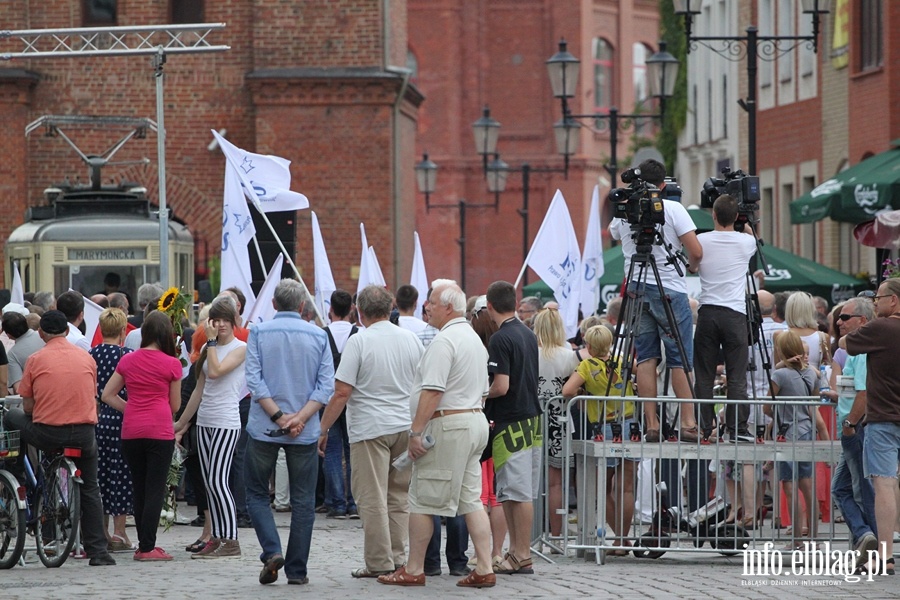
640	53
602	54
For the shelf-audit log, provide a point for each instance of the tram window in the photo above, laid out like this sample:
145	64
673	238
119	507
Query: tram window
90	280
26	278
60	280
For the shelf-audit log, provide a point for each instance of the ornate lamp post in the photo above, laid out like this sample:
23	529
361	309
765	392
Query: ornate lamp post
754	47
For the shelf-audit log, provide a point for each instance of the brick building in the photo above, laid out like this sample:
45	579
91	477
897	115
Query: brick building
469	53
315	82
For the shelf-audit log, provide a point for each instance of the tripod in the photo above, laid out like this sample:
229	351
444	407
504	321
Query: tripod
643	262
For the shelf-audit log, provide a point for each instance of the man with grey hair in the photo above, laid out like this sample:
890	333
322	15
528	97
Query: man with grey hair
116	300
528	307
375	376
146	293
450	384
46	300
848	483
290	375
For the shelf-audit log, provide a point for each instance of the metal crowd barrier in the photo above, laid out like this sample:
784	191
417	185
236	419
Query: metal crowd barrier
679	506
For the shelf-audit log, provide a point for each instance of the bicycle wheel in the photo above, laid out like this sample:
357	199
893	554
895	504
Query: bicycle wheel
58	509
12	524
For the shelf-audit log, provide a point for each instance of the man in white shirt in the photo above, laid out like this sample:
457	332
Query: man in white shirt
722	319
653	328
407	297
373	381
71	304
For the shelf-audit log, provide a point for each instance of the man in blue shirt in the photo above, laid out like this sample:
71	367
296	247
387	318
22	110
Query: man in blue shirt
290	373
848	482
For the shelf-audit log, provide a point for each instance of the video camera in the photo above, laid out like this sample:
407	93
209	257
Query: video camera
740	186
640	203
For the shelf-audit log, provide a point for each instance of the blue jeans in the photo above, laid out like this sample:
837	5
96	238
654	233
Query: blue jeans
338	495
457	544
302	467
236	477
654	328
848	483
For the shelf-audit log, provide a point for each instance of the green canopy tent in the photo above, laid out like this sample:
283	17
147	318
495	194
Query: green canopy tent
854	195
787	272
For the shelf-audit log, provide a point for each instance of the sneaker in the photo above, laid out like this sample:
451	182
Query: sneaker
353	513
742	437
155	554
321	509
220	549
102	560
199	521
336	514
867	542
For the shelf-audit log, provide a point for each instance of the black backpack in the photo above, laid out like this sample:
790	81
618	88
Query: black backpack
335	355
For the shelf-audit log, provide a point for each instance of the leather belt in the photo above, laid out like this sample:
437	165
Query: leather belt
458	411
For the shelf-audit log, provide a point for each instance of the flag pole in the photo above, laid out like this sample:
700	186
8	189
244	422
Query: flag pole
290	261
262	263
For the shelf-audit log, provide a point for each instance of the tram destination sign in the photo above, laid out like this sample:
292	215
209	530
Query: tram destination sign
81	254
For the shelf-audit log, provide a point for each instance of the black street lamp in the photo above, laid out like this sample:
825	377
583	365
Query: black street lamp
754	47
487	131
563	68
426	179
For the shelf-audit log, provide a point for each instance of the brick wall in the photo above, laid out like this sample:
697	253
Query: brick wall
341	150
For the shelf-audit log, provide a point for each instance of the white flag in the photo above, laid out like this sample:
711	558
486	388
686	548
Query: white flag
266	179
375	268
17	294
237	231
417	278
556	258
592	266
369	271
262	309
321	270
92	312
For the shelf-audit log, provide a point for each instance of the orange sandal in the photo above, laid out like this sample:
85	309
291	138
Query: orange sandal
401	577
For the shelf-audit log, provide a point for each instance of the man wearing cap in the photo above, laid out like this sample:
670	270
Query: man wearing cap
26	342
59	409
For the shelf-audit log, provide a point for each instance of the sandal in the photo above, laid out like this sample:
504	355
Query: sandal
196	546
475	580
401	577
365	572
513	566
117	543
652	436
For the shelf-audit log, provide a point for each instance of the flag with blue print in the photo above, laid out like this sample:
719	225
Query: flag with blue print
266	179
237	231
556	258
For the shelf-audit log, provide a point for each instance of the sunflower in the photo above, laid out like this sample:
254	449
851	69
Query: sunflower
168	299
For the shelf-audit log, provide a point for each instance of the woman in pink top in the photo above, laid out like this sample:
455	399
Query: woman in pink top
153	377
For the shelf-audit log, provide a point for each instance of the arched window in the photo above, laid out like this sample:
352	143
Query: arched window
603	75
640	54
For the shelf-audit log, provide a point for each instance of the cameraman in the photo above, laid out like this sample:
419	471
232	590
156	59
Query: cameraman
653	326
722	320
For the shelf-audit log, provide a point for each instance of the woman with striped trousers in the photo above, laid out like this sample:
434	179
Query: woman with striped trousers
220	385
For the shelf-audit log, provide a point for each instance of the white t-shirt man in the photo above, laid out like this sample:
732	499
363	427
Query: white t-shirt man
340	331
678	222
379	363
723	270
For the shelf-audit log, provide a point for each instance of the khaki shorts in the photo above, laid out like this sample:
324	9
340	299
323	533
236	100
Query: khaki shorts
447	480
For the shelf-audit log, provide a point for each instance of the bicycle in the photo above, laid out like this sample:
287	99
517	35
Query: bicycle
12	504
52	503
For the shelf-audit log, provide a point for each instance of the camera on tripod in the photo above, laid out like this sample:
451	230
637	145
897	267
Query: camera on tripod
640	203
740	186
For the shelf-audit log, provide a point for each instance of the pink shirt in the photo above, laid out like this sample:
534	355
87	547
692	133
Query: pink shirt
148	374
